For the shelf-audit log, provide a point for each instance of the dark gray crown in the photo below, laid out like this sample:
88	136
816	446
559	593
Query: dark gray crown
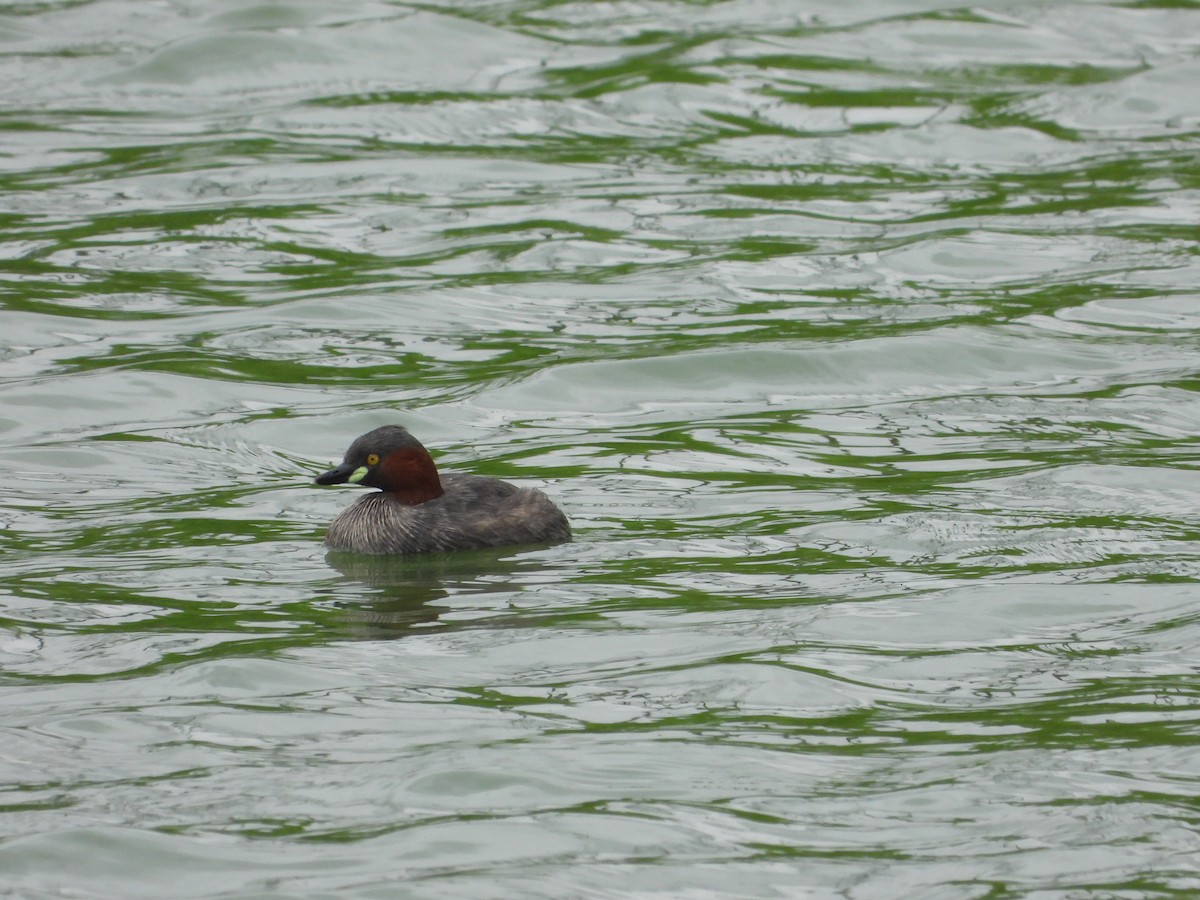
383	440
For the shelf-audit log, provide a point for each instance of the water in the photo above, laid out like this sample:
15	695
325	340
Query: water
858	341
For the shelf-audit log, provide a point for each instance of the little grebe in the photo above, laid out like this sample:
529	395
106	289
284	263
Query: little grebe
416	511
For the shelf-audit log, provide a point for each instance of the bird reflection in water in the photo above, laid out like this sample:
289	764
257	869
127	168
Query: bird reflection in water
407	594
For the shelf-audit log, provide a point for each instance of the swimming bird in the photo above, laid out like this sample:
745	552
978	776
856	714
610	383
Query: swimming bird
416	510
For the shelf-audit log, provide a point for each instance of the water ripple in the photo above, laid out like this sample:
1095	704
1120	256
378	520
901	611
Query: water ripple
858	341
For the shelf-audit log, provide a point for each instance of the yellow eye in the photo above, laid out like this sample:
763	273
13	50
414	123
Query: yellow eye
372	458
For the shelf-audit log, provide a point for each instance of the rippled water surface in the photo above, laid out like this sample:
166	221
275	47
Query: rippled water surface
857	340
